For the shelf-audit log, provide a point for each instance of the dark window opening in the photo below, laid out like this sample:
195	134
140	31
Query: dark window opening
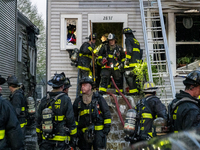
188	28
106	28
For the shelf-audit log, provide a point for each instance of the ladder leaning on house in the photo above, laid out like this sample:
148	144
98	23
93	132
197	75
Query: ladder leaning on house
156	47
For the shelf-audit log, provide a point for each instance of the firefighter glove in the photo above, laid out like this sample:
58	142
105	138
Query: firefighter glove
106	131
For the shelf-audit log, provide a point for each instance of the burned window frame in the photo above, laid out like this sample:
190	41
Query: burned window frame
63	34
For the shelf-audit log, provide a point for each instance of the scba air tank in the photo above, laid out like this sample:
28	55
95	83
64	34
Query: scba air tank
31	105
47	120
130	122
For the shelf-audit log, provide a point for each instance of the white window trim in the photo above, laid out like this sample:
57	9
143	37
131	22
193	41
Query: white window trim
111	18
19	51
63	31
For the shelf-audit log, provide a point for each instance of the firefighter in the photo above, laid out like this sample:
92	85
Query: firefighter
67	85
92	117
85	56
184	110
18	100
11	136
133	55
55	124
98	65
148	109
111	58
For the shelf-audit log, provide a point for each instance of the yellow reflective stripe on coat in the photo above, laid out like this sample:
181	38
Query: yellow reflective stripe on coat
59	118
84	68
58	138
123	60
128	56
175	131
116	68
100	127
133	91
81	55
2	134
38	130
22	125
133	64
102	89
147	115
73	131
136	49
76	122
100	57
107	121
110	56
23	109
121	90
142	128
150	133
90	48
85	111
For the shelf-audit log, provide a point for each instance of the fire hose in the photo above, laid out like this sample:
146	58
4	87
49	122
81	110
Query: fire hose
117	106
127	102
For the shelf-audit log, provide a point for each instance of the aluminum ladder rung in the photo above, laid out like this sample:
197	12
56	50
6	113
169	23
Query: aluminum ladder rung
153	17
152	20
155	39
153	28
151	39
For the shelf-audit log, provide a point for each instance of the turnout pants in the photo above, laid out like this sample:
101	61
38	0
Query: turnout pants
105	79
99	141
131	81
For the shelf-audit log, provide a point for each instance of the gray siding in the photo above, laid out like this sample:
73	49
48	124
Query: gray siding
58	60
7	40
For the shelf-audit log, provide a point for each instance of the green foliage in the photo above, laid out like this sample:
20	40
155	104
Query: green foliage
31	12
141	71
184	60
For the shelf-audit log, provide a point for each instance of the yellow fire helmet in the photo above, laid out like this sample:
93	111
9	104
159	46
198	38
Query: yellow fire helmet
149	87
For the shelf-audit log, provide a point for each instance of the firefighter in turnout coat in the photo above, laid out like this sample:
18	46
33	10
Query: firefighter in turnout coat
92	117
85	57
111	57
133	54
55	124
148	109
11	136
184	110
18	100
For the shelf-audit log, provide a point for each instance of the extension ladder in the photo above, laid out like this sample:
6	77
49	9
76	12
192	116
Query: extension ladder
156	47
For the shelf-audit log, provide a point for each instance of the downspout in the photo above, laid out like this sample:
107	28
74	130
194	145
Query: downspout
46	42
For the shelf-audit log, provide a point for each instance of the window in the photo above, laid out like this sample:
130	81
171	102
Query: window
32	60
71	31
19	54
187	41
